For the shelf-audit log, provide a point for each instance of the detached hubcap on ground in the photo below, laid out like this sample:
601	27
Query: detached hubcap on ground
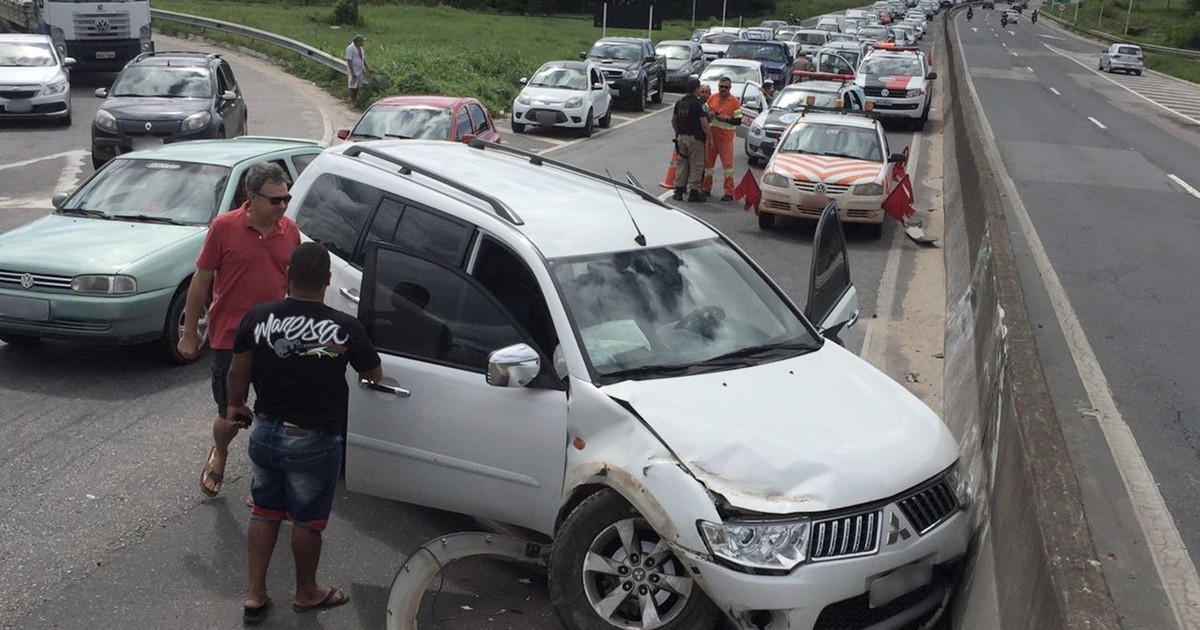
631	578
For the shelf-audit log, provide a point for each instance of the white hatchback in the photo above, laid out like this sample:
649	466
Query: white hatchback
569	94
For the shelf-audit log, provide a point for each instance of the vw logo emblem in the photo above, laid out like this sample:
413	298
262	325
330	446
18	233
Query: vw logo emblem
100	7
102	24
27	280
883	92
148	126
819	189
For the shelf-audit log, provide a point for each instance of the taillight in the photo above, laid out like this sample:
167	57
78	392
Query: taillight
1116	56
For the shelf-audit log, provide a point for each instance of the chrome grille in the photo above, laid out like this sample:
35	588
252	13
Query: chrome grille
845	536
613	74
929	507
40	281
19	92
875	91
830	189
102	26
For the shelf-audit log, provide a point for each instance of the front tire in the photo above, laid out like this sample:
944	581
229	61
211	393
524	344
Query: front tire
606	120
604	549
640	104
586	132
766	220
173	329
662	87
518	127
874	230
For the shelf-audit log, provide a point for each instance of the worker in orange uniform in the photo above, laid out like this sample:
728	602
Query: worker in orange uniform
724	118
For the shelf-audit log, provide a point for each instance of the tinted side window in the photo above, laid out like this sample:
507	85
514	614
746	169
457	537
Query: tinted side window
383	224
301	162
334	213
435	313
478	117
463	124
433	235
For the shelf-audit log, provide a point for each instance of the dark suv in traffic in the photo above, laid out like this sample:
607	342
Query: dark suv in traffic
632	70
163	97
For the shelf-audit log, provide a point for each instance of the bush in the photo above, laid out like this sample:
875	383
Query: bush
346	12
1186	33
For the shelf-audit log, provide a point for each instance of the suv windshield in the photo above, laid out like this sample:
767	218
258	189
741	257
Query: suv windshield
624	51
810	38
25	55
404	121
747	50
719	38
560	77
891	66
736	74
857	143
683	308
152	190
185	82
675	53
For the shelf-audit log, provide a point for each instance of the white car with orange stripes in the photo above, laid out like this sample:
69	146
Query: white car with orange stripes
832	154
896	80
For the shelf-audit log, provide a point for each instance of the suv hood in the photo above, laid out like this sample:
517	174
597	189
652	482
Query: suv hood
38	75
822	431
84	245
624	64
152	108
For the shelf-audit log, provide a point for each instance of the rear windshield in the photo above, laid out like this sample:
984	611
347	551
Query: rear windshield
811	38
1129	50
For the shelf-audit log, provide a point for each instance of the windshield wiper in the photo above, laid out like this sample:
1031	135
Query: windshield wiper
147	219
842	155
649	370
758	351
398	135
366	135
83	212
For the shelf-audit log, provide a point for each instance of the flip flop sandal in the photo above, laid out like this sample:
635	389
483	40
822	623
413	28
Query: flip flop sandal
252	615
330	601
217	478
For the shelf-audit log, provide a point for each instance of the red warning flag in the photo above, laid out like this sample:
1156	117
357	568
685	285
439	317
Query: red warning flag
748	191
899	202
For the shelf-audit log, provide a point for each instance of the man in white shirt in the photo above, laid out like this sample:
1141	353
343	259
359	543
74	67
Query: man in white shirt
356	63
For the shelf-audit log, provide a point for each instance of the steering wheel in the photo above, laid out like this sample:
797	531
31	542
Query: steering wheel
702	321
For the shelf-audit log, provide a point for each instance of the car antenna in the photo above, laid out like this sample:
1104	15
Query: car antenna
640	239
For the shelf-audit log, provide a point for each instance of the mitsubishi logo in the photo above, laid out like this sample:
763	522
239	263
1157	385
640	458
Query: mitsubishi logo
102	24
148	126
819	188
27	280
884	92
896	531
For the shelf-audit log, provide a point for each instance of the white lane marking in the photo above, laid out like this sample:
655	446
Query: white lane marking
974	28
1170	555
1029	68
68	179
1014	53
1195	121
55	156
1186	186
1012	33
562	144
1051	37
1056	92
1097	122
1004	44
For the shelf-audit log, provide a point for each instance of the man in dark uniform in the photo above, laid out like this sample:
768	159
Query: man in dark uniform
691	134
295	352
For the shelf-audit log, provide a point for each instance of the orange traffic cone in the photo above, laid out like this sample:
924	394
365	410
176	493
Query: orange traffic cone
669	180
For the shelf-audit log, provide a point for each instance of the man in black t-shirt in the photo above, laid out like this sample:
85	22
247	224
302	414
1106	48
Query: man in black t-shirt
295	352
691	133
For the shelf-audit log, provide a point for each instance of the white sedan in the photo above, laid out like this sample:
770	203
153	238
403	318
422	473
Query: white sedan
746	78
569	94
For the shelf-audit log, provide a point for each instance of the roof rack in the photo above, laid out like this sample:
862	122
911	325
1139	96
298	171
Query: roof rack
178	53
406	168
538	160
280	139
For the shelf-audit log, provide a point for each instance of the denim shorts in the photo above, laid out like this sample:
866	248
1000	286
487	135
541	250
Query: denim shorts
295	473
222	359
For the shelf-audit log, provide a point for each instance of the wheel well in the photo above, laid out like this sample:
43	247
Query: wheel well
577	496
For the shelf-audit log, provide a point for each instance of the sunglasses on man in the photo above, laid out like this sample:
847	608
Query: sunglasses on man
275	201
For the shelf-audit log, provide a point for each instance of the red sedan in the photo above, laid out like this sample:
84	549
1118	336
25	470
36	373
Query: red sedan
454	118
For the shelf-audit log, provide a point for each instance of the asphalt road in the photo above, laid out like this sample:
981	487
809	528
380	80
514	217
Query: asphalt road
1103	167
104	524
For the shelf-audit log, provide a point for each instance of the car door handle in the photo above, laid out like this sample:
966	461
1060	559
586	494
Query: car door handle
349	294
386	389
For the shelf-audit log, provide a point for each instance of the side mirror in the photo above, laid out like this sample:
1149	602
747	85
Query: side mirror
897	158
721	53
101	92
513	366
229	95
69	61
468	138
931	76
58	199
582	55
523	80
598	86
342	134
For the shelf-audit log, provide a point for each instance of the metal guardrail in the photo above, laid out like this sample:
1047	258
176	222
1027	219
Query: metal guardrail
286	43
1182	52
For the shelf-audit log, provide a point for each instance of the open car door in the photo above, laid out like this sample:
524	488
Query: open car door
832	298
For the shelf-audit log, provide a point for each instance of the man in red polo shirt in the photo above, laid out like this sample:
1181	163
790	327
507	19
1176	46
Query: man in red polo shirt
244	262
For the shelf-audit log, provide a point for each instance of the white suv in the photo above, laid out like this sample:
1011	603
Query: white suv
568	354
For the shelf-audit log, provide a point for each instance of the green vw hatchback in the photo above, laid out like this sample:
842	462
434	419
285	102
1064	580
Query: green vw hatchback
112	262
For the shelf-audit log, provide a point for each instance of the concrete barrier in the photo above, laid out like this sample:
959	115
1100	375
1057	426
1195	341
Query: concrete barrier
1033	566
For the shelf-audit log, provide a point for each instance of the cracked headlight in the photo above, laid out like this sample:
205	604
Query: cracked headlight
777	545
524	99
58	87
868	190
195	122
106	121
960	483
777	180
573	102
107	285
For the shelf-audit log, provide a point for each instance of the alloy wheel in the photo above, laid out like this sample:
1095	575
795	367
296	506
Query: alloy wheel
632	579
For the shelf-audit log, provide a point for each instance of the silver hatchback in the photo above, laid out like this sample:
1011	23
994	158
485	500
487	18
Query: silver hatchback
1124	57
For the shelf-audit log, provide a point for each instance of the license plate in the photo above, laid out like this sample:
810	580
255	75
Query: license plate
146	143
25	308
106	54
614	92
883	101
906	579
547	118
19	107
